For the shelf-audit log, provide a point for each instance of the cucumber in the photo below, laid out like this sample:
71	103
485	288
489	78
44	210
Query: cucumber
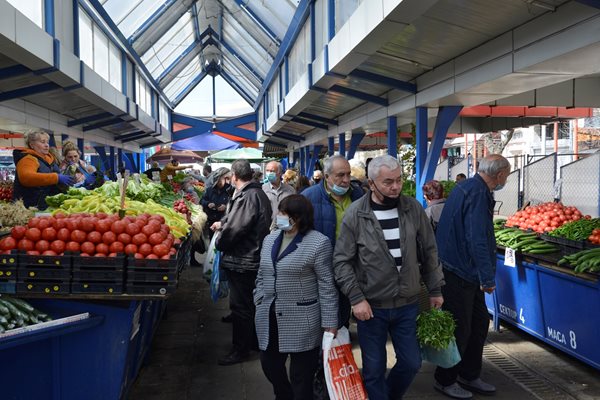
4	310
14	311
23	305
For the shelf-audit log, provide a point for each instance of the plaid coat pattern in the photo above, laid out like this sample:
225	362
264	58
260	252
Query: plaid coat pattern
300	283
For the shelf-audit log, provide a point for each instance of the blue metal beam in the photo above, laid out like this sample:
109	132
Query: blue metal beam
111	160
358	95
76	28
129	162
120	163
295	26
64	137
330	145
421	149
139	136
392	136
446	115
14	71
312	33
384	80
151	144
241	60
91	118
51	139
128	135
189	88
318	118
28	91
229	126
195	45
258	21
151	20
102	154
302	162
309	123
315	156
80	145
591	3
342	144
330	19
354	143
195	20
49	17
288	136
102	124
124	73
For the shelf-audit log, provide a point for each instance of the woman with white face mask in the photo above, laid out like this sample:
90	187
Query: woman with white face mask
296	299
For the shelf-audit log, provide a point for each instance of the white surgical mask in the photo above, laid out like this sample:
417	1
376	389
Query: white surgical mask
284	223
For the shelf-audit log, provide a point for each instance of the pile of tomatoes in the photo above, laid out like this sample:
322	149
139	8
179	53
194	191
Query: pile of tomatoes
544	217
6	190
100	235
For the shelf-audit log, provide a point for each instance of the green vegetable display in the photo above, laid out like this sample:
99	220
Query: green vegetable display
583	261
577	230
435	328
527	242
16	313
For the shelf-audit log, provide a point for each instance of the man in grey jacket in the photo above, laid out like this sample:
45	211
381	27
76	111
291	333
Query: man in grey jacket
275	189
376	266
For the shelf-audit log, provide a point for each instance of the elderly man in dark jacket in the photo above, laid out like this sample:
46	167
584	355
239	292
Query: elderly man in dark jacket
242	231
376	266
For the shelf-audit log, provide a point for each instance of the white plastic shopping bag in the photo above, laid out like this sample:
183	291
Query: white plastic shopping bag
341	373
210	256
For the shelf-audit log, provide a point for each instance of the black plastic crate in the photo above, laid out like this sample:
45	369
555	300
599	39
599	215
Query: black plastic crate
150	288
8	287
103	263
150	264
9	260
99	274
64	261
43	287
142	275
44	273
576	244
90	287
8	273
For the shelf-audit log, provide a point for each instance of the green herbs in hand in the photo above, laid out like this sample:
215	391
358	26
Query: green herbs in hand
435	328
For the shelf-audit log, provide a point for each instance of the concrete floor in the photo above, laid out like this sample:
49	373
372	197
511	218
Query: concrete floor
182	362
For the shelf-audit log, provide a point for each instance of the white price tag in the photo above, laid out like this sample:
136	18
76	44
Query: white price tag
510	260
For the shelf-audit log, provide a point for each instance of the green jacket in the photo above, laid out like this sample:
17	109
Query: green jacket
364	267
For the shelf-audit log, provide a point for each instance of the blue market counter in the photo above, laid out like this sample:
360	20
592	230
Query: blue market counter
551	303
91	358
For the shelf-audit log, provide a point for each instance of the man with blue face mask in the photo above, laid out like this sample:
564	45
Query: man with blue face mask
274	188
330	199
467	251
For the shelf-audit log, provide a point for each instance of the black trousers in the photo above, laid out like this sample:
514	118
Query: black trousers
241	303
466	302
303	366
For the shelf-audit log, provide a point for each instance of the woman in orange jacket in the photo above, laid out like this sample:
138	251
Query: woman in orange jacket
38	174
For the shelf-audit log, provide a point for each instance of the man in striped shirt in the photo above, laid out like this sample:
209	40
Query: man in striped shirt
376	266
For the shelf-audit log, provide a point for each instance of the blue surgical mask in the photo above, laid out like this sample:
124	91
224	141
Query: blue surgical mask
271	176
338	190
284	223
498	187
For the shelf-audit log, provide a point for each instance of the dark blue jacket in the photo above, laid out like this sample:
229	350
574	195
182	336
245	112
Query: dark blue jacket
217	196
325	221
34	196
465	233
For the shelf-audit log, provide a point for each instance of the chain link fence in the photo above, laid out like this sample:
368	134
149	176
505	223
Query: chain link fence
441	171
538	180
580	182
507	199
461	167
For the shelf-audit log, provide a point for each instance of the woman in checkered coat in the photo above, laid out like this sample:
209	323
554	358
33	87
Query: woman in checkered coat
296	299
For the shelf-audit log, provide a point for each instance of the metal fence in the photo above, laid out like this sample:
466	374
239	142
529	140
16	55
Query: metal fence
538	180
580	184
507	199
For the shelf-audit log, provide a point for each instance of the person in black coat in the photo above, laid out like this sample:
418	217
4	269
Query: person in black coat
215	198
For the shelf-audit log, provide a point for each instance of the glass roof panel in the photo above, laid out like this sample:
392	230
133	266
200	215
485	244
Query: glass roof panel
184	78
130	15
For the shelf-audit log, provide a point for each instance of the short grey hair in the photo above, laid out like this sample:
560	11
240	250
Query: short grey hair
328	164
278	164
33	135
382	161
492	164
242	170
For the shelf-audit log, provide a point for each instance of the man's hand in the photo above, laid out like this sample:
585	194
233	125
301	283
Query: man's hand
222	207
215	226
332	330
489	290
211	205
436	302
362	311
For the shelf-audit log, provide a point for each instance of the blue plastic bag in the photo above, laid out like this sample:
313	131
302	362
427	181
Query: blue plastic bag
445	358
215	279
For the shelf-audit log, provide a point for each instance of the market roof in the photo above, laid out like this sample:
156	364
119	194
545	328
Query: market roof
181	41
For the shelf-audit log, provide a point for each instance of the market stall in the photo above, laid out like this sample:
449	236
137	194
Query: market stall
97	268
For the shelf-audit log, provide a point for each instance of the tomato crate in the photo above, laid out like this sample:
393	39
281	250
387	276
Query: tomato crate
8	273
141	275
43	287
64	261
150	288
577	244
98	263
99	274
44	273
144	264
96	287
8	286
9	260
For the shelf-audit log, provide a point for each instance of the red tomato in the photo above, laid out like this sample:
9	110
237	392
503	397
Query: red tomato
152	257
118	227
72	246
33	253
72	223
124	238
102	248
101	215
94	237
145	249
59	223
88	247
139	239
84	255
49	234
49	253
138	255
99	255
8	243
155	238
165	257
43	223
33	234
160	250
102	225
132	229
109	237
131	249
116	247
63	234
18	232
59	215
86	224
33	222
58	246
78	236
42	245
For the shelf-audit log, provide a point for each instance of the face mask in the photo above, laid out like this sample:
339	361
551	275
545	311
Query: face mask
283	223
387	201
317	181
271	176
498	187
338	190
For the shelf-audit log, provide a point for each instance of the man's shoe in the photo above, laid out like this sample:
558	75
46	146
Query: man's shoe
235	357
454	391
227	319
477	385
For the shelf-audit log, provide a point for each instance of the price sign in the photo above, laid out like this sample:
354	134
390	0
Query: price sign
510	259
